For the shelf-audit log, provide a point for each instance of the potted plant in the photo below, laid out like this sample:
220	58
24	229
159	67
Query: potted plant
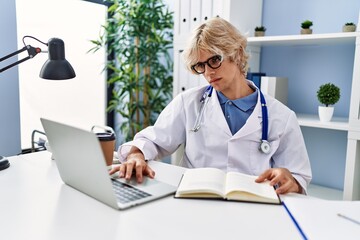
305	27
260	31
138	37
328	94
349	27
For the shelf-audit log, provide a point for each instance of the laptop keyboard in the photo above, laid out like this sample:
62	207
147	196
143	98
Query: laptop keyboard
126	193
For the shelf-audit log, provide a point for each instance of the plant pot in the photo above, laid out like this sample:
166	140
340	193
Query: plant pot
259	33
325	113
349	28
306	31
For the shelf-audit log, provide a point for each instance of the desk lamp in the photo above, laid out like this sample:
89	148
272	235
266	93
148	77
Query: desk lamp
55	68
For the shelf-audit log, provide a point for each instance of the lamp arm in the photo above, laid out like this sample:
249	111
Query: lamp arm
14	64
31	52
13	54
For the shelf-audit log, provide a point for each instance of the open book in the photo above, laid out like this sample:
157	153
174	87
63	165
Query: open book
214	183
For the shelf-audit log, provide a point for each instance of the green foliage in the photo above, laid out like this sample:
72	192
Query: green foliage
139	34
349	24
306	24
328	94
260	29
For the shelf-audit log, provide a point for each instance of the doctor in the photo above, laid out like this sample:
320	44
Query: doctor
225	125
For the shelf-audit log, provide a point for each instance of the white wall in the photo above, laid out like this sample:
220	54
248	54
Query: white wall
9	83
80	101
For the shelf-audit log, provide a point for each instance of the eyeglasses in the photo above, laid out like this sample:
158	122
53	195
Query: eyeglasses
214	62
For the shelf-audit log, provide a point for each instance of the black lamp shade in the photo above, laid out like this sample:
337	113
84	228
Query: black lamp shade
57	67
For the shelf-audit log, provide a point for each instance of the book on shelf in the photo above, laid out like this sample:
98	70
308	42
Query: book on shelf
213	183
276	87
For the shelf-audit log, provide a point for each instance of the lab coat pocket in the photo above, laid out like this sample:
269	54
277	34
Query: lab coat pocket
260	161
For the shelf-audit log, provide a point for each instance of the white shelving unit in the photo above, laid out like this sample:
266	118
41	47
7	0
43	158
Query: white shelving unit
306	39
324	193
337	123
351	124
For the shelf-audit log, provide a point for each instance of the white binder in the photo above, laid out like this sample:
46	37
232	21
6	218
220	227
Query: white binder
276	87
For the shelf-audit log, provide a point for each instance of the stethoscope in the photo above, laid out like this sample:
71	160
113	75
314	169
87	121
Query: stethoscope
264	145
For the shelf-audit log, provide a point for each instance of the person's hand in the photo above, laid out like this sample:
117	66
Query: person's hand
283	178
135	163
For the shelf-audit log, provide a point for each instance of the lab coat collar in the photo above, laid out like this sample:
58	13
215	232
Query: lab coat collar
254	122
217	118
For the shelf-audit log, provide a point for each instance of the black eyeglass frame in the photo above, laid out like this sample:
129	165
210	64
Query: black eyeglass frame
207	62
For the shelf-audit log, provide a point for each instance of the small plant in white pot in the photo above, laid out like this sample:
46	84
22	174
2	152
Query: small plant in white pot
349	27
259	31
305	27
328	94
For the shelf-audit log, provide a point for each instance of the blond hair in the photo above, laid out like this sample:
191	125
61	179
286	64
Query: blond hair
218	37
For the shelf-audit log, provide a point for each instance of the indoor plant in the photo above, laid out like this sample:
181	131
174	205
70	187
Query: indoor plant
259	31
349	27
328	94
138	37
305	27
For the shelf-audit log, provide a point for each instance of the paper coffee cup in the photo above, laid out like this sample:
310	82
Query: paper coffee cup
107	141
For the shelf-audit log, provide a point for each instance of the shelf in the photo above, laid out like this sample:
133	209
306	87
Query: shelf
305	39
336	123
324	192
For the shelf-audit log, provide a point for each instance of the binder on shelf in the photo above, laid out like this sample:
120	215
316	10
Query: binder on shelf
276	87
206	13
255	77
195	14
184	17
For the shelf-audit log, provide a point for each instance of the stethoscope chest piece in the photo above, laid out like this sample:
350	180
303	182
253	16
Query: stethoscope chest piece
265	147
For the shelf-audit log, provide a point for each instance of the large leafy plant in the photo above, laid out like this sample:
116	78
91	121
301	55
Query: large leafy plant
139	35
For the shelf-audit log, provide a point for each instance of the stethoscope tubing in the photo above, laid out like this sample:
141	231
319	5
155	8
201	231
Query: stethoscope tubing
264	145
203	100
264	114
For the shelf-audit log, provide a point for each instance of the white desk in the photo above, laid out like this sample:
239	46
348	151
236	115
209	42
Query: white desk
36	204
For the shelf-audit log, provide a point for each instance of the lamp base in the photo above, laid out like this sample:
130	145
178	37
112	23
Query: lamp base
4	163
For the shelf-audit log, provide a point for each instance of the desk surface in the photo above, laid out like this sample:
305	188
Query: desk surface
36	204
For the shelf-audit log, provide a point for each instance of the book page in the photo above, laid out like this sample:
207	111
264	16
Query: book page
243	187
202	182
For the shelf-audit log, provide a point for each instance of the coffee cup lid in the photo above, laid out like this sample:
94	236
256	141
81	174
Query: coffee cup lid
104	136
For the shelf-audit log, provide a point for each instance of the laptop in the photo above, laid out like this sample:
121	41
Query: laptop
81	165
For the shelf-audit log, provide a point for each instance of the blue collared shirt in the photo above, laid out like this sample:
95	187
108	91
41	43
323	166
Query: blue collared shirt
237	111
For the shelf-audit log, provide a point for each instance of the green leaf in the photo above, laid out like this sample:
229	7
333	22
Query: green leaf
152	23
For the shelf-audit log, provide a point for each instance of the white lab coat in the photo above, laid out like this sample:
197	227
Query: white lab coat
214	145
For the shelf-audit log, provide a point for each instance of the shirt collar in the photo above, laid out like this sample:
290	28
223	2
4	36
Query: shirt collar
244	103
